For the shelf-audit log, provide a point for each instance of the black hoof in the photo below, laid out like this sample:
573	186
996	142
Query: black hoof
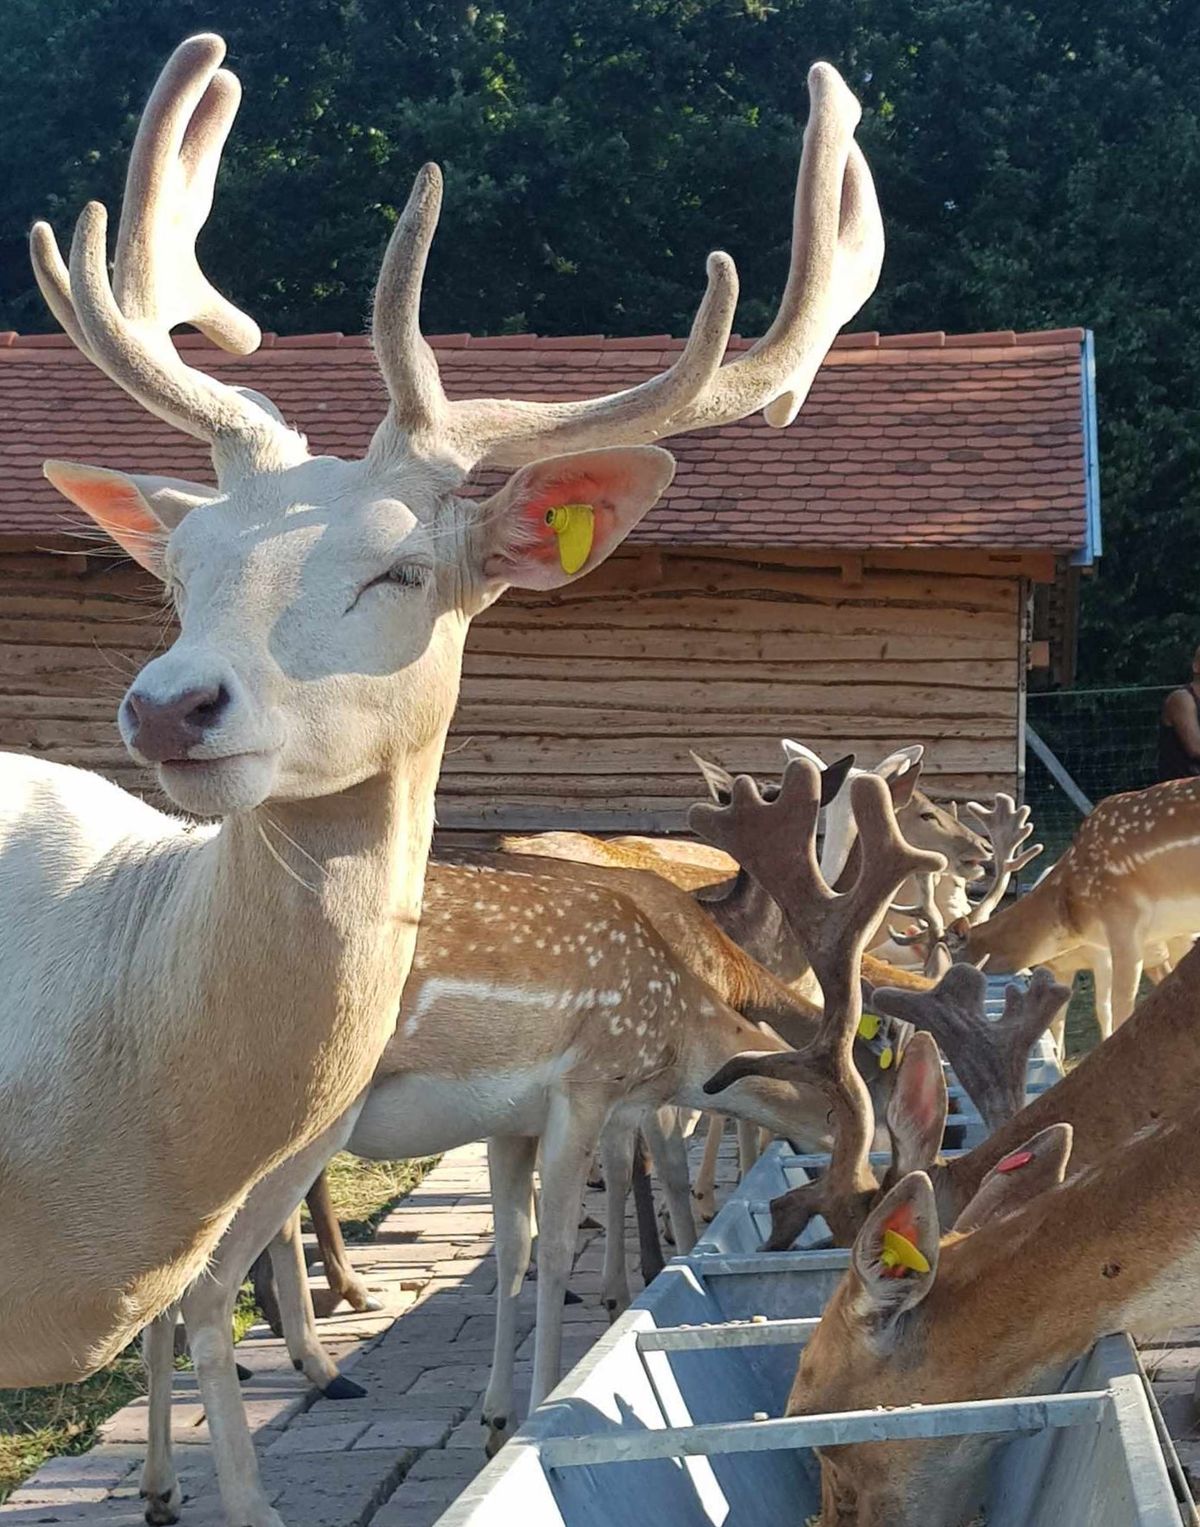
243	1373
297	1364
342	1388
570	1298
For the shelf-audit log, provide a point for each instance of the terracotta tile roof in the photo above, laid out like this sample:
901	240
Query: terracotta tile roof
970	440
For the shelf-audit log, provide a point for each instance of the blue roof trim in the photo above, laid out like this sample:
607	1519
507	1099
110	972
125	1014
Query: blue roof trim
1093	544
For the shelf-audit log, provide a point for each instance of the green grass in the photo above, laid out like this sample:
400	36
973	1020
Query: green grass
37	1424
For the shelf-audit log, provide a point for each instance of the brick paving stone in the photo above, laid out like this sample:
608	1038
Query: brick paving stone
427	1427
438	1463
399	1455
417	1503
321	1437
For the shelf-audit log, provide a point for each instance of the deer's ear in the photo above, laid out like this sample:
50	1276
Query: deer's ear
137	512
900	761
834	777
557	519
895	1256
793	750
1039	1164
916	1115
902	787
718	780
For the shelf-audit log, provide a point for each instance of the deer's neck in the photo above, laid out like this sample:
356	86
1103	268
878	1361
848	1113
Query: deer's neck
1116	1247
754	920
1035	928
293	932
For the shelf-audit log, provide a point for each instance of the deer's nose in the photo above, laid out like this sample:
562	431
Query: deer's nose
162	729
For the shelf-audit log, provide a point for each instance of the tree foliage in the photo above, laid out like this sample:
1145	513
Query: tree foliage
1038	165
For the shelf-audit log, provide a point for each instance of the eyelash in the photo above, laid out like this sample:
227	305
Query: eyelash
402	575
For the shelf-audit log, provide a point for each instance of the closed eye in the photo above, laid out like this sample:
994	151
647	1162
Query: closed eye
401	575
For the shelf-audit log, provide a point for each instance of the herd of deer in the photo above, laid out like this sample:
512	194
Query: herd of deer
196	1017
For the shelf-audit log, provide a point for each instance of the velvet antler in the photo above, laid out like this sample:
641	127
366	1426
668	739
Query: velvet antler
776	843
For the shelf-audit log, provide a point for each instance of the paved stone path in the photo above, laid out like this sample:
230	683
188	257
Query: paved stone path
396	1458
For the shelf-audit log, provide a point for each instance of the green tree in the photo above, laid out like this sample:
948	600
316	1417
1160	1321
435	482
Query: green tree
1037	165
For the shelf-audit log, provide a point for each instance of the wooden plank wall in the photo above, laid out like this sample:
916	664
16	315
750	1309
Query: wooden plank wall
578	709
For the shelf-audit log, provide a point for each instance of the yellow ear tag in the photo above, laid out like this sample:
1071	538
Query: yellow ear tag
899	1251
868	1026
575	527
886	1056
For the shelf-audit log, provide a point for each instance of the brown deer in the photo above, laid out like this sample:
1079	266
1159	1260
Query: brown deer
1130	878
924	1318
563	1007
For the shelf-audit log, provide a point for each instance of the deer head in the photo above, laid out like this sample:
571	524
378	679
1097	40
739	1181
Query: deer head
904	1327
323	603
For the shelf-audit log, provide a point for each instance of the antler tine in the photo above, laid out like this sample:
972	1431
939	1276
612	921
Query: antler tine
511	433
775	841
124	326
1006	826
887	861
837	251
406	361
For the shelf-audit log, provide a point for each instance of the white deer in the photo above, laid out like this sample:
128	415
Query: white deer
188	1012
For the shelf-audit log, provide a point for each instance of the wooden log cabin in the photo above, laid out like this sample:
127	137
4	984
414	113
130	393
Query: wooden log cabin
890	569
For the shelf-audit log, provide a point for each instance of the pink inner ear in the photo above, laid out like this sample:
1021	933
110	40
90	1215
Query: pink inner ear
583	488
111	500
903	1221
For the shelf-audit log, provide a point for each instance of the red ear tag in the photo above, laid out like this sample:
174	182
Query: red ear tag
1014	1162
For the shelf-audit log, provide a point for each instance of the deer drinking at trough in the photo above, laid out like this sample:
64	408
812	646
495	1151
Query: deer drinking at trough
1130	879
922	1318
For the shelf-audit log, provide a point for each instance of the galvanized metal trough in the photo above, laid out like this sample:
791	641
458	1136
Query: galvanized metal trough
657	1425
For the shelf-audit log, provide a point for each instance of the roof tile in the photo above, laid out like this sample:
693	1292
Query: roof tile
905	440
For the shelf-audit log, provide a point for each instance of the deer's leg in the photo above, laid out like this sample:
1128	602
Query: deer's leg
208	1310
571	1133
747	1134
510	1164
668	1145
296	1315
1126	944
650	1253
616	1153
1102	973
160	1485
344	1282
704	1190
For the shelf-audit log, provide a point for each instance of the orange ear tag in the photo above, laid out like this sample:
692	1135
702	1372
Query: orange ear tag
1017	1160
899	1255
575	527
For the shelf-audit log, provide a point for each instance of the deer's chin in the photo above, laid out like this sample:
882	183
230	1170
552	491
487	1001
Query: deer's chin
218	787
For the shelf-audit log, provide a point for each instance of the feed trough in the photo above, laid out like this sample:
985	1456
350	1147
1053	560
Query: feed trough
676	1417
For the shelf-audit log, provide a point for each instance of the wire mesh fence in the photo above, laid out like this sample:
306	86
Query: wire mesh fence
1105	740
1094	742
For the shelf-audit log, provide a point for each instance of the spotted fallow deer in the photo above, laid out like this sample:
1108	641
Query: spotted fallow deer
738	905
1130	878
922	1318
564	1007
323	606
